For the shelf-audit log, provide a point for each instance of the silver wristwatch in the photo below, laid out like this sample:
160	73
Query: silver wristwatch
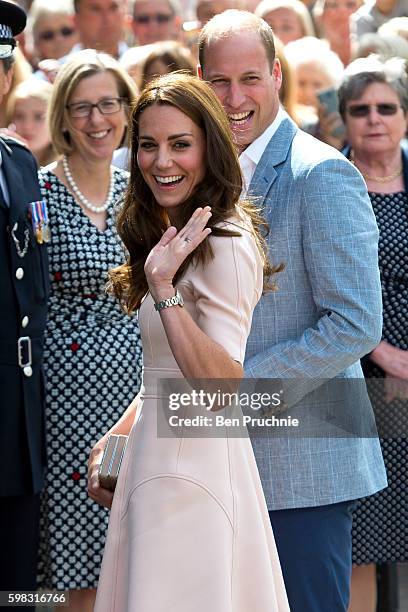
177	300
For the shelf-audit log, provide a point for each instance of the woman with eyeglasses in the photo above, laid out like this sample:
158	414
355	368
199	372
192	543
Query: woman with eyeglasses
373	101
52	30
92	352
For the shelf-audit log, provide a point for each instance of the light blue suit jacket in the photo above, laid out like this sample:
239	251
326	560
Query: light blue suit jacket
325	315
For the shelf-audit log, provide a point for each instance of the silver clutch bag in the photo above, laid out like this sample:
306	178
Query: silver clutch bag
111	461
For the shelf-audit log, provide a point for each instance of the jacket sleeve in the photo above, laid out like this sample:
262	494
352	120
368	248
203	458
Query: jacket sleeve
340	253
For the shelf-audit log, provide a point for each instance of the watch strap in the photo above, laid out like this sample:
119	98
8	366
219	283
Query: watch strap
176	300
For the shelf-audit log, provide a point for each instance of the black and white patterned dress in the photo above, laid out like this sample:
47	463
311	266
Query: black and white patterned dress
380	522
93	368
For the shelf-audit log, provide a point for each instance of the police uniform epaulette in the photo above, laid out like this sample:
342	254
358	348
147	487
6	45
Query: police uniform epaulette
9	140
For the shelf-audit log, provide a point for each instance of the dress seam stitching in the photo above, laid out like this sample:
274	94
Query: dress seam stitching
179	477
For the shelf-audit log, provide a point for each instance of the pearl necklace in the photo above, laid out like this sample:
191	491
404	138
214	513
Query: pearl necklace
80	196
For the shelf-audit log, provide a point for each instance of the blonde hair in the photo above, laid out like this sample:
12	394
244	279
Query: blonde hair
32	88
310	50
288	90
296	6
82	65
46	8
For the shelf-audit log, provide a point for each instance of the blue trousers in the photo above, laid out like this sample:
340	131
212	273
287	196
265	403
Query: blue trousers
314	546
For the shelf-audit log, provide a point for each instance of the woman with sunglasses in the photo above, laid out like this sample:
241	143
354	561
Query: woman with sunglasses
373	100
92	353
51	25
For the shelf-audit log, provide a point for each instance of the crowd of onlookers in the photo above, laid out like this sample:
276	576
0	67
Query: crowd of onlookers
324	47
317	41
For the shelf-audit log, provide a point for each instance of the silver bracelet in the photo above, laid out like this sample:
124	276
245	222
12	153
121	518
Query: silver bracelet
176	300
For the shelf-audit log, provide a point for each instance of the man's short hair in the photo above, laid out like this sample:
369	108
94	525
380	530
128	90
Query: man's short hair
174	6
234	22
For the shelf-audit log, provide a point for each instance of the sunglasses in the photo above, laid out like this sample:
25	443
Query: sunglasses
158	18
65	31
363	110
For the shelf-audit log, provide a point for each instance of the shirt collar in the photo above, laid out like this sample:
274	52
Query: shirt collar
256	149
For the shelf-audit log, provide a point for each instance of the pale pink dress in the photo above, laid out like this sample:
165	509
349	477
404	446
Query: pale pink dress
189	530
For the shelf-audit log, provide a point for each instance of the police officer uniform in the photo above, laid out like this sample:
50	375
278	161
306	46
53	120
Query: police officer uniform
23	303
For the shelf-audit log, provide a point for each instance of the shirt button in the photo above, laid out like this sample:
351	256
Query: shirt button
19	273
28	371
24	322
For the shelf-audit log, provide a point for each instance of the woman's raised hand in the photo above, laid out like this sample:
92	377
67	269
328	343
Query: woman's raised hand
169	253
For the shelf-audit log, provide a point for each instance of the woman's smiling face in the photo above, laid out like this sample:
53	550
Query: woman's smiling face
171	155
97	135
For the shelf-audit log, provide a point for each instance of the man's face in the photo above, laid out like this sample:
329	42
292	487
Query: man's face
153	21
238	70
100	23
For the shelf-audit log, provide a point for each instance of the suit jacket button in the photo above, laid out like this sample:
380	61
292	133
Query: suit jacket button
24	322
19	273
28	371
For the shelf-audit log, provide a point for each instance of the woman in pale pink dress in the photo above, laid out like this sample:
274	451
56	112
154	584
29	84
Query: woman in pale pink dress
189	530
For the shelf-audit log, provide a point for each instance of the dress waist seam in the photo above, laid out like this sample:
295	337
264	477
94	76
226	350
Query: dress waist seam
177	477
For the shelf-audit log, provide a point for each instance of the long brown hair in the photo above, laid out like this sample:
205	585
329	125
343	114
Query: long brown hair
141	221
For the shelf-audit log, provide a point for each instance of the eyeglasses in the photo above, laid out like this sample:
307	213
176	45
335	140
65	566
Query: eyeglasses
107	106
47	35
159	18
363	110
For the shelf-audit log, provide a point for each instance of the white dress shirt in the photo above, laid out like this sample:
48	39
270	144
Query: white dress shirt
249	158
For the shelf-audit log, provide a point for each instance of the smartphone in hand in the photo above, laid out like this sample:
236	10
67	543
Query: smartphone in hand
329	99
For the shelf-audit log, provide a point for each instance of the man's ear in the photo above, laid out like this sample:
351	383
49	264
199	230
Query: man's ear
199	72
277	73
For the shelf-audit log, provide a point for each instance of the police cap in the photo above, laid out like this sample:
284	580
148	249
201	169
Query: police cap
12	22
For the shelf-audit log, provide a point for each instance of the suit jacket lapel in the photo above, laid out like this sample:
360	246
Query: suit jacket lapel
276	153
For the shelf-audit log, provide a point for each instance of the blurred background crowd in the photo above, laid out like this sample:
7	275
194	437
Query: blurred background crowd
322	46
317	40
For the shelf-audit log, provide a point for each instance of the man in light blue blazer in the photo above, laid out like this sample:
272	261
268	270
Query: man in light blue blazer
325	315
